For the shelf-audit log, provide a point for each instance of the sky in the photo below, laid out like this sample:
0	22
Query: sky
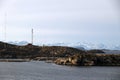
69	21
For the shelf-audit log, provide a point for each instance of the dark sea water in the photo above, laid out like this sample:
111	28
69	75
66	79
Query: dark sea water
38	70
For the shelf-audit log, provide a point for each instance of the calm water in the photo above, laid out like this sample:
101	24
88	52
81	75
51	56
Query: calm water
49	71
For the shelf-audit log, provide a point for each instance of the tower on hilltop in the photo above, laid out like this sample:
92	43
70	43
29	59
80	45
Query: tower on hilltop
32	36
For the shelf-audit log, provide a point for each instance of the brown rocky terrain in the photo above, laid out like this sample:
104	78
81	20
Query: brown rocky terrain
91	60
61	55
31	51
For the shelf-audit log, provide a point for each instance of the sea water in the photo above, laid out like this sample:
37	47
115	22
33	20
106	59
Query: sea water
39	70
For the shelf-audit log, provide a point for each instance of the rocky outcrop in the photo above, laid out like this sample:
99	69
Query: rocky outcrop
91	60
60	55
95	51
32	51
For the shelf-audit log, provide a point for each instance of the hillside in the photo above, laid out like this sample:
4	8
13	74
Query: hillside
60	55
32	51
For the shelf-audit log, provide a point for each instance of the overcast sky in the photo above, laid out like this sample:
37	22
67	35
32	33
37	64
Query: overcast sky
95	21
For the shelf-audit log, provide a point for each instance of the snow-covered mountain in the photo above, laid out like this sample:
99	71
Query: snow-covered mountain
87	46
78	45
18	42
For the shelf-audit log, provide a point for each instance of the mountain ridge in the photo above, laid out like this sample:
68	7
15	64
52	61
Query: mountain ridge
78	45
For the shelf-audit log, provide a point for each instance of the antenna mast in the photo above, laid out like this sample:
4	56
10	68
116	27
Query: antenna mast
32	36
5	27
5	45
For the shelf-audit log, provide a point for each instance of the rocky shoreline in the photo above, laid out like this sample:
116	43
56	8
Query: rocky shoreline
58	54
15	60
90	60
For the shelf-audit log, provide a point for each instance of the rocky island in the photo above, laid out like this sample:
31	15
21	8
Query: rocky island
58	54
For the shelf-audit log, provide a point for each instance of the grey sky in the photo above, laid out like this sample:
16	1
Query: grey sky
96	21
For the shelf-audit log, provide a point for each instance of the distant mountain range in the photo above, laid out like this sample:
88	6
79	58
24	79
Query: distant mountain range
78	45
18	42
